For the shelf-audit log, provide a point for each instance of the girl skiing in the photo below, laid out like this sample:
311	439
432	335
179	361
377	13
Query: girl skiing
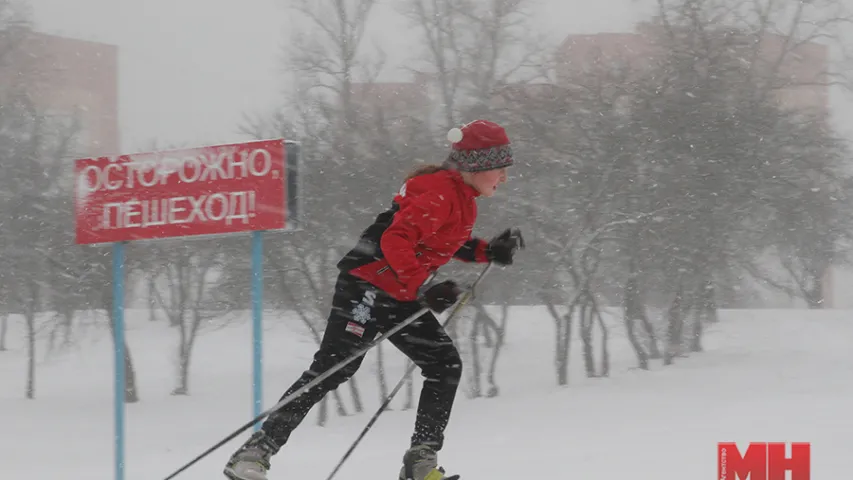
384	279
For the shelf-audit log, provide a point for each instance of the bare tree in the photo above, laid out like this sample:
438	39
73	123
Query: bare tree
491	333
579	127
183	279
497	348
440	22
33	149
4	328
327	59
471	48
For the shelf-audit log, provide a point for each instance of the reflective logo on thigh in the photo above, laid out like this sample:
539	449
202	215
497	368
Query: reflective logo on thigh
363	312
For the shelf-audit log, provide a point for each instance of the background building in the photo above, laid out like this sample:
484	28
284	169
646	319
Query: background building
65	77
807	64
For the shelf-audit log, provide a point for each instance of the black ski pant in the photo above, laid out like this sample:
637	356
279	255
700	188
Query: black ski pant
359	312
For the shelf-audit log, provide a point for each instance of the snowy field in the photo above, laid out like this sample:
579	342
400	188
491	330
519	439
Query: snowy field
766	375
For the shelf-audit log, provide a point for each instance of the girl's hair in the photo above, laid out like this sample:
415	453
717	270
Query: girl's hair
426	170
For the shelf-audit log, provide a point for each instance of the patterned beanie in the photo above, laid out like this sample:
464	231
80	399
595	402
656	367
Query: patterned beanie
478	146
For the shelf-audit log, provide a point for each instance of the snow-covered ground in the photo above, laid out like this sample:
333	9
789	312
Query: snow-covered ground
766	375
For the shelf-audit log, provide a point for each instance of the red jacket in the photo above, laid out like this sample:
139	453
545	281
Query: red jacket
430	222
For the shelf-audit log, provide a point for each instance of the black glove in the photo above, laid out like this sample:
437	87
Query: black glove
502	248
441	296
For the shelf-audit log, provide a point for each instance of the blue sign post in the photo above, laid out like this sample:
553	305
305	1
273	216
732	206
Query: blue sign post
257	324
118	339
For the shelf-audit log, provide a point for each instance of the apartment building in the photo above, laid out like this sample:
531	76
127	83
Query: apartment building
66	77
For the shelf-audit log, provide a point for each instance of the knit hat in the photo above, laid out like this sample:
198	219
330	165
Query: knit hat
478	146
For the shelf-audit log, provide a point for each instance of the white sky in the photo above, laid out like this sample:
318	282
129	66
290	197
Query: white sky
189	69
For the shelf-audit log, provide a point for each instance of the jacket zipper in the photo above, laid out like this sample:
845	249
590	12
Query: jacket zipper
388	267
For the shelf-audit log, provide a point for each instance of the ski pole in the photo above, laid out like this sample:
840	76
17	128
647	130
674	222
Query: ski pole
466	297
286	400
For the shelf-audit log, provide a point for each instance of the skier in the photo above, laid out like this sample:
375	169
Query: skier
386	278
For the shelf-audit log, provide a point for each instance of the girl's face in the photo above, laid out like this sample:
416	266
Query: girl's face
487	182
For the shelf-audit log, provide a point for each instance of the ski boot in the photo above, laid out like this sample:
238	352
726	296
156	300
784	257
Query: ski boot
421	463
252	460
